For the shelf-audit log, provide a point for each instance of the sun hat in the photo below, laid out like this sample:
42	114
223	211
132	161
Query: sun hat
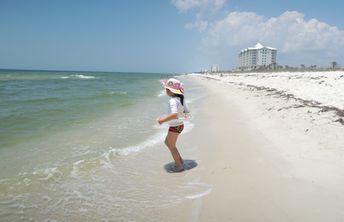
174	85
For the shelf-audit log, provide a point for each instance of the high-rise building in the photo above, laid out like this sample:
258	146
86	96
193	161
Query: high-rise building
257	56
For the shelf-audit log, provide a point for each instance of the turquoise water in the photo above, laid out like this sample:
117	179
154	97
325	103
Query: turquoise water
85	146
35	104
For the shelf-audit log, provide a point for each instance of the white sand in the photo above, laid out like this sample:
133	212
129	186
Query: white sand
265	159
322	88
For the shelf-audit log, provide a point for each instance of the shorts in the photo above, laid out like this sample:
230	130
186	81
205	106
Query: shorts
176	129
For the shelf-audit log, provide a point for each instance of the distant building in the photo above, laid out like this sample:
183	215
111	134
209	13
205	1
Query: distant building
256	57
215	68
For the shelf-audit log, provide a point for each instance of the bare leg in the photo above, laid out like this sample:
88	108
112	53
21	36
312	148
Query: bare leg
170	142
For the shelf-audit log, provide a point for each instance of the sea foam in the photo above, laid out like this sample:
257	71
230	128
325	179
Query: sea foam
76	76
161	93
151	141
206	191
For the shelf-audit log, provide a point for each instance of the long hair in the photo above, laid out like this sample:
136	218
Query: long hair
181	97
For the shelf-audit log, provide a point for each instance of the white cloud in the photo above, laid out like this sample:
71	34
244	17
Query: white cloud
289	32
200	25
205	9
297	39
185	5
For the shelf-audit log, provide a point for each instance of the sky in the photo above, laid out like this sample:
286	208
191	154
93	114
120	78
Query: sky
166	35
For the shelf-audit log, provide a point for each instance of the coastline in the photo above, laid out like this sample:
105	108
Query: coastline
260	158
264	164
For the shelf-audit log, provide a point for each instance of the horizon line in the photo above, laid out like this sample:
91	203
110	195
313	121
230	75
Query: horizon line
55	70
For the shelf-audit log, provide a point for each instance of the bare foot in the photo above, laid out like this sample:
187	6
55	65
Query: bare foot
178	168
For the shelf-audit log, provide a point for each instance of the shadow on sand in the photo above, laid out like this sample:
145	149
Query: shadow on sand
188	165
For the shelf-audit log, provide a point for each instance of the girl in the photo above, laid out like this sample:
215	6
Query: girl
177	106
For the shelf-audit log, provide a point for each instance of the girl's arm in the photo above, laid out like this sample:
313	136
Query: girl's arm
161	120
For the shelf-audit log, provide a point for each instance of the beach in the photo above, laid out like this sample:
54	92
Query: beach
171	111
265	158
260	153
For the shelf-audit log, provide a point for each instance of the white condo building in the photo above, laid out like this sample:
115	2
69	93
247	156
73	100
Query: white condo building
258	56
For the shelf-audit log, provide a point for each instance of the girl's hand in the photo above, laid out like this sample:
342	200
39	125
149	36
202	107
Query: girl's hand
160	120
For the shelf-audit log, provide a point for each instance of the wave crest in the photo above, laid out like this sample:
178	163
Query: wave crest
78	76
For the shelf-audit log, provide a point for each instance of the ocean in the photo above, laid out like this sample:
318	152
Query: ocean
81	146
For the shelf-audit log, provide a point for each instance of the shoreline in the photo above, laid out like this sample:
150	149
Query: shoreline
256	162
265	164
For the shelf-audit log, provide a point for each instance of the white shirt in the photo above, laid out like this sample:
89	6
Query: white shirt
175	106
